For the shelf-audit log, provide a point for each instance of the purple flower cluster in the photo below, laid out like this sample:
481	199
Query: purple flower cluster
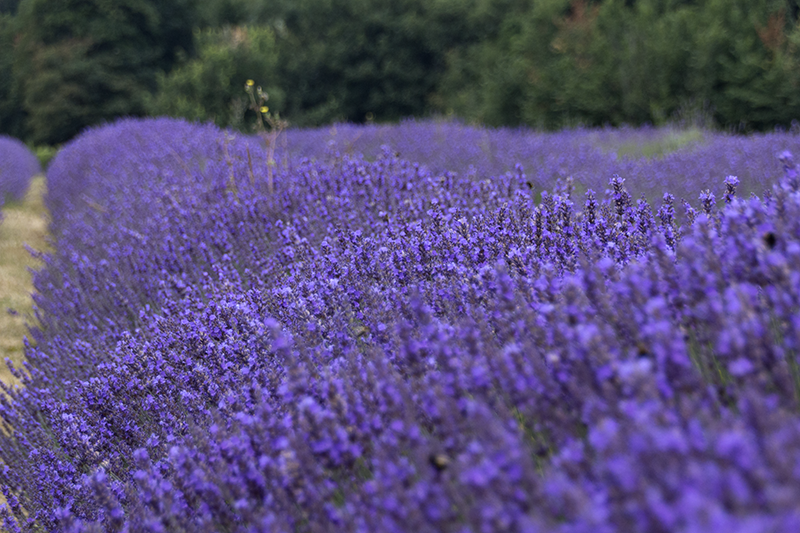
378	346
17	166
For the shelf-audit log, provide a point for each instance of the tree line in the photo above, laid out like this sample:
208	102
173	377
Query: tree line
69	64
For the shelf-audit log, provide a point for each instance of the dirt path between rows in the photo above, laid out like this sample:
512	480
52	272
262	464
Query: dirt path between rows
23	223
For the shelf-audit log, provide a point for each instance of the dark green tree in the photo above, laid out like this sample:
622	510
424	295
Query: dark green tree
80	62
210	86
484	76
651	61
745	62
353	59
12	116
9	6
220	13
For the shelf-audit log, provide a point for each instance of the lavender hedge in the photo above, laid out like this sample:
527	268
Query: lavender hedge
379	346
17	166
586	156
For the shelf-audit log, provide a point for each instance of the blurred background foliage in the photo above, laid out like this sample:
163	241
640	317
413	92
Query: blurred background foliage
69	64
210	85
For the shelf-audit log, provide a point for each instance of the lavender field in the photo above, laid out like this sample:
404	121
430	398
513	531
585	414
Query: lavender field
421	327
17	166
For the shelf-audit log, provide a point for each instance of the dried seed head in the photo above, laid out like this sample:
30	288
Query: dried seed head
439	461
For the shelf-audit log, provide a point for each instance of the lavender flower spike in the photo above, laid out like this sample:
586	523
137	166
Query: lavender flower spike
789	168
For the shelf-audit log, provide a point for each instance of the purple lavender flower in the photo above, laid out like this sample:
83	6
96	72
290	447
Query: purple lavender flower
708	201
17	166
789	168
440	343
731	182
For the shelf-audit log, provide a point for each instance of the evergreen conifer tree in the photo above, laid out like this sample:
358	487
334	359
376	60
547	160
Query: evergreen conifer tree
81	62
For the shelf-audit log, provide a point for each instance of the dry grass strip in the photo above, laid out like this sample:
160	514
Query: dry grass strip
24	223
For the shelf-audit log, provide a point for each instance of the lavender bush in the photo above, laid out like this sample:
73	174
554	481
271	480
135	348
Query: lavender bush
17	166
384	345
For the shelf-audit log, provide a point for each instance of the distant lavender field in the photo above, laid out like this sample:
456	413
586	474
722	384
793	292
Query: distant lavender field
589	157
17	166
494	330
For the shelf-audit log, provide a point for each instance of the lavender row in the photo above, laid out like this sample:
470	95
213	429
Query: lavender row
377	346
17	166
586	156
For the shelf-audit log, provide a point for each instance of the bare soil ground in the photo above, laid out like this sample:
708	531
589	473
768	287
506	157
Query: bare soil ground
23	223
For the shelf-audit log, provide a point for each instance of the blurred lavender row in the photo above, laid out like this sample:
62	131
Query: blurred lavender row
696	160
381	346
17	166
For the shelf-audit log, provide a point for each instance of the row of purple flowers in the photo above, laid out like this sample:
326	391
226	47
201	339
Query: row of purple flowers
17	166
383	345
